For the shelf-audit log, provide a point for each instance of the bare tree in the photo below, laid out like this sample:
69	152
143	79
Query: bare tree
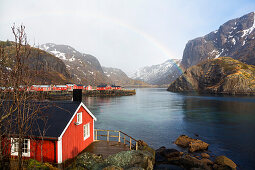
18	117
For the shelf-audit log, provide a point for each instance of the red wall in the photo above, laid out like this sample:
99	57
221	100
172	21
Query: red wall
72	140
47	150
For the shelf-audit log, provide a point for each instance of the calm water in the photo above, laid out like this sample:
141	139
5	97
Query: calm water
159	117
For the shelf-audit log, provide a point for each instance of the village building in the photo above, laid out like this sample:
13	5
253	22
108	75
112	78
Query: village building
40	88
59	88
69	130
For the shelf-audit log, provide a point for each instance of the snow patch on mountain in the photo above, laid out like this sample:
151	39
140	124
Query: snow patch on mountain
156	73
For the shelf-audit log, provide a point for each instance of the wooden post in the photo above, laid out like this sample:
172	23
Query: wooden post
130	143
96	133
136	146
108	136
119	136
124	140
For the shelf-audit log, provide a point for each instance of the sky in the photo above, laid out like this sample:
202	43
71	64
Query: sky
125	34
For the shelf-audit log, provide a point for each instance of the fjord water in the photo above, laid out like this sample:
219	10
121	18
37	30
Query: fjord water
158	117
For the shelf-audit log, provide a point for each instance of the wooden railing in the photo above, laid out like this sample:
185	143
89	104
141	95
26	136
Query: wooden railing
122	137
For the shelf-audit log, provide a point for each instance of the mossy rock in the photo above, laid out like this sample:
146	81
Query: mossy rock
34	164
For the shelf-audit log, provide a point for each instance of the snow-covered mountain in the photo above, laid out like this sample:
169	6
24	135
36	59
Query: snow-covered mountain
160	74
120	78
235	38
84	68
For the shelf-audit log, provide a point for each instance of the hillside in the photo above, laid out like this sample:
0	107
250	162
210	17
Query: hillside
159	74
223	75
235	39
44	67
84	68
118	77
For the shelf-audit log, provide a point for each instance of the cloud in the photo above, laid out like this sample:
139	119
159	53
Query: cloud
126	34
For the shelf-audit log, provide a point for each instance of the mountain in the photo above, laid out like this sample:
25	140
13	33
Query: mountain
223	75
84	68
118	77
235	39
159	74
44	67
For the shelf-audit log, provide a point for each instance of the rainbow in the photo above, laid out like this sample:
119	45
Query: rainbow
115	21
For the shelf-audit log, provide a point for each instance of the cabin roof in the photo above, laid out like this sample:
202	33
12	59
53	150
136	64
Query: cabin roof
60	86
58	115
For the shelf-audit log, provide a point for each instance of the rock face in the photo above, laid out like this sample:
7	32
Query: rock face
223	75
224	163
160	74
118	77
122	160
235	39
50	69
84	68
193	144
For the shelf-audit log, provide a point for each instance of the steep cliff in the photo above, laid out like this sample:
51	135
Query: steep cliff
235	39
44	67
223	75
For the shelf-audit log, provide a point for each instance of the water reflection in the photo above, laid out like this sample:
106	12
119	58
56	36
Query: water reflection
159	117
227	125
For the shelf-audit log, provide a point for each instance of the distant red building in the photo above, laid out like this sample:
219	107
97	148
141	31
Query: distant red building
114	87
89	87
40	88
104	87
59	87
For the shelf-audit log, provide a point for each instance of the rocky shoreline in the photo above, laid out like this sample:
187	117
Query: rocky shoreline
195	157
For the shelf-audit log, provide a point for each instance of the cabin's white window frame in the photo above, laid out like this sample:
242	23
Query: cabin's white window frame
86	131
79	118
15	146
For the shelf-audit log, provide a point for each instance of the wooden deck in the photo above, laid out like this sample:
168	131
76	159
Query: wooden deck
106	148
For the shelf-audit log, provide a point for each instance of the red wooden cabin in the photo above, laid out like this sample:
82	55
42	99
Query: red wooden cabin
89	87
114	87
79	86
104	87
70	129
70	87
60	87
40	88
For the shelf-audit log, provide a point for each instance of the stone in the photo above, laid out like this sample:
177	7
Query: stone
193	144
129	159
190	162
205	155
206	161
197	145
136	168
183	141
169	153
161	149
112	167
223	161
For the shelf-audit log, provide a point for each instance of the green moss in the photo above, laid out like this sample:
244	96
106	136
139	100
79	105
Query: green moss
34	164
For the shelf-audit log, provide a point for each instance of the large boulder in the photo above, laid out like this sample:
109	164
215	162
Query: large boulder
197	145
129	159
189	162
224	163
193	144
88	160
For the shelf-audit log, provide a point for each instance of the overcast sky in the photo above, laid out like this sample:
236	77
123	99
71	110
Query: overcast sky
125	34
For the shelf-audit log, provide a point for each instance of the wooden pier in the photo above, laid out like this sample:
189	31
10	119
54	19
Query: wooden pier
109	142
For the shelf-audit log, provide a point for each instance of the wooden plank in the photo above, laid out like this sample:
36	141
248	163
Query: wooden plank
105	148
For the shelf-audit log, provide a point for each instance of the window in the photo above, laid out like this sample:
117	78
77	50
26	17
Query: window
86	131
25	147
79	118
